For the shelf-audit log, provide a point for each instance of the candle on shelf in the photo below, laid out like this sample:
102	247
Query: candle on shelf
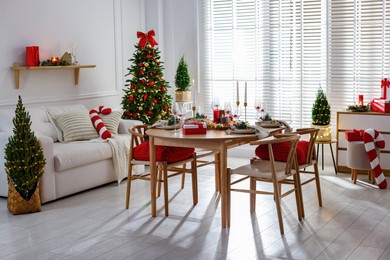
54	59
360	102
238	94
245	96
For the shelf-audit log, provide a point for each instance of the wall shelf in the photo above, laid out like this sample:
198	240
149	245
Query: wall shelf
76	69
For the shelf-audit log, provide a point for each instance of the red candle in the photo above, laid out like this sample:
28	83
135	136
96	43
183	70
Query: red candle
54	59
360	102
216	116
32	56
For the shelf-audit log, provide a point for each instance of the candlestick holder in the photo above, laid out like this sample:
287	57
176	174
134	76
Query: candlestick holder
245	105
238	103
193	111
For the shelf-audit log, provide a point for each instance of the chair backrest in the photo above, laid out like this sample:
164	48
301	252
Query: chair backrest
138	135
312	136
291	160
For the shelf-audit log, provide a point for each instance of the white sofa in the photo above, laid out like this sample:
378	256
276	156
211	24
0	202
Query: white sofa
70	167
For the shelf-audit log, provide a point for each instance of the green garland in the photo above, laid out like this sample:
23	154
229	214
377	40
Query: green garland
359	108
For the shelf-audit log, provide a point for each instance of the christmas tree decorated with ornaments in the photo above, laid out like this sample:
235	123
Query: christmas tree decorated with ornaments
146	92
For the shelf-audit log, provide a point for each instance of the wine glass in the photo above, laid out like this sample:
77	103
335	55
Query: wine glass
236	113
258	108
181	113
228	109
216	103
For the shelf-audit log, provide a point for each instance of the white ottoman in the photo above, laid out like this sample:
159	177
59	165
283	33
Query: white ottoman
357	159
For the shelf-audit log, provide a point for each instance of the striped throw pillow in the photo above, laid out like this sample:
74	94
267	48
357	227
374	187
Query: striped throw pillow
76	127
111	121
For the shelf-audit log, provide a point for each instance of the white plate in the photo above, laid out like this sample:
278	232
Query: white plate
244	131
270	125
168	127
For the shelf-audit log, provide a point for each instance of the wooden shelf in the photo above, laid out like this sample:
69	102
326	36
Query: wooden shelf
76	69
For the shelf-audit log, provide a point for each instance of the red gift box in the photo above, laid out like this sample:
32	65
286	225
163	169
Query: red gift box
194	128
32	56
354	135
380	105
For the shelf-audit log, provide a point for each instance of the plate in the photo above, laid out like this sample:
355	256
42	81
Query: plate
168	127
244	131
269	124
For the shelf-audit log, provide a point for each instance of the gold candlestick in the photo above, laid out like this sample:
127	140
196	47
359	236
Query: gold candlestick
193	111
245	105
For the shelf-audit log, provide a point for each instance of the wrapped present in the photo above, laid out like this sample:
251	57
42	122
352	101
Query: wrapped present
380	105
32	56
385	84
354	135
195	128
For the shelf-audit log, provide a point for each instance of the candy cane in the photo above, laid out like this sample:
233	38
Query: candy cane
371	139
98	122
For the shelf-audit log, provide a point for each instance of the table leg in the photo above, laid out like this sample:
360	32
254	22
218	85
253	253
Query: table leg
225	208
153	173
334	163
322	155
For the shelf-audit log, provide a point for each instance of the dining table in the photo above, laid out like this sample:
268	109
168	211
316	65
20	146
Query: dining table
217	140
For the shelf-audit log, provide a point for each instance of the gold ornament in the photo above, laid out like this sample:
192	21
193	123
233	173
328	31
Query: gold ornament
146	64
140	108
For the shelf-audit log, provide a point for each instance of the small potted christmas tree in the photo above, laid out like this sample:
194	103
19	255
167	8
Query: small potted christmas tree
24	165
182	82
321	116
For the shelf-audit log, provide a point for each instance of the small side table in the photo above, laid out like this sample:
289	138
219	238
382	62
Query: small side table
322	155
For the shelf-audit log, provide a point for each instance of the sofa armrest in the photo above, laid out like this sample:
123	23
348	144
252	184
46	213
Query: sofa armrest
125	124
47	184
3	176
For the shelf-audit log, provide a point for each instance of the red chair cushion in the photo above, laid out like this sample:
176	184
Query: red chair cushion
168	154
281	151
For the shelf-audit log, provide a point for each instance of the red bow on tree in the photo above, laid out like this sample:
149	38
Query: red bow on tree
146	38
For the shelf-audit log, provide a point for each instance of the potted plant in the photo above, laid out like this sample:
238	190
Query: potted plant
321	116
182	82
24	165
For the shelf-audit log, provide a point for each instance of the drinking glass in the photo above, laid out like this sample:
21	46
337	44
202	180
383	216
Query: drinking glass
228	109
181	113
236	113
258	108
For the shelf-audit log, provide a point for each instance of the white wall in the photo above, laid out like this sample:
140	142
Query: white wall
102	31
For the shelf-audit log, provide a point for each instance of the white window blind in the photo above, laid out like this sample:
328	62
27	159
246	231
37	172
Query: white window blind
285	49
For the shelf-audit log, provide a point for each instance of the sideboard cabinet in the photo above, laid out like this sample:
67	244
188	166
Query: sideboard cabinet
362	120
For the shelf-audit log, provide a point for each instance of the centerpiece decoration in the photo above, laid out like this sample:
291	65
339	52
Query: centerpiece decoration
182	82
146	92
24	165
321	116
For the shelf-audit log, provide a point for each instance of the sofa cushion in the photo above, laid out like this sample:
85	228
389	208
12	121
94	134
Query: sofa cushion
169	154
55	111
72	155
281	151
111	121
76	127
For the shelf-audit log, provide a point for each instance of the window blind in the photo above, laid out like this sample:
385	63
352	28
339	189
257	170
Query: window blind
286	49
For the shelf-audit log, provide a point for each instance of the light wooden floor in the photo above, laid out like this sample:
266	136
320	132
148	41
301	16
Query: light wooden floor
354	223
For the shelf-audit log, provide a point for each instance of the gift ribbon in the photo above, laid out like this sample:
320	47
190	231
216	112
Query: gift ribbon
146	38
385	83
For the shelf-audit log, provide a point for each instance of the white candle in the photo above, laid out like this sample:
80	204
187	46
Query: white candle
238	93
245	92
193	93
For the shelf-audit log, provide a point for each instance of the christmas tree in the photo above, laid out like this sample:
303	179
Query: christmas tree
146	97
182	77
23	154
321	109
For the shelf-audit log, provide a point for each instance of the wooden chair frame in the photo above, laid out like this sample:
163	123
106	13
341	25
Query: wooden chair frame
178	168
290	169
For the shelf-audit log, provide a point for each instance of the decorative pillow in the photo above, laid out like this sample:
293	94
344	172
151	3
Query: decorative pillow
54	111
281	151
76	127
169	154
112	121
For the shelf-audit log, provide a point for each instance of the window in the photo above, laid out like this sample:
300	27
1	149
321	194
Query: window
286	49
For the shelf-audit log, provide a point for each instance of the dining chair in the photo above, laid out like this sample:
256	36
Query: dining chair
306	158
271	171
168	159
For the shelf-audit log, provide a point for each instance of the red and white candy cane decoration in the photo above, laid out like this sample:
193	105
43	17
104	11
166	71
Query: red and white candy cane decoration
98	122
371	139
